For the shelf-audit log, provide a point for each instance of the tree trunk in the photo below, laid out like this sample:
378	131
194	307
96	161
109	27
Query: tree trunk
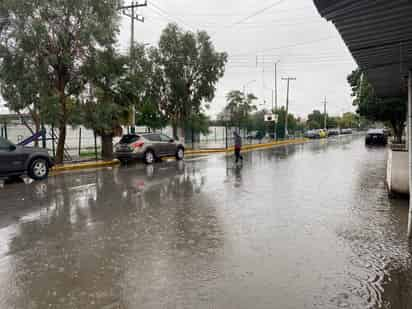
60	143
37	128
174	126
62	128
107	147
398	131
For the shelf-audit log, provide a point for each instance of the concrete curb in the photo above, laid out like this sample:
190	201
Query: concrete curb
90	165
85	165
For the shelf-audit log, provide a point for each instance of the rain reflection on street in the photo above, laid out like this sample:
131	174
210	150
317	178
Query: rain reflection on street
305	226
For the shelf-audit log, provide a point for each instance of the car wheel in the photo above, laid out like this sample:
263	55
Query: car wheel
39	169
149	157
180	154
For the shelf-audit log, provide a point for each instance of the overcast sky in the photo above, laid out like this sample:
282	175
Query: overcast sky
256	36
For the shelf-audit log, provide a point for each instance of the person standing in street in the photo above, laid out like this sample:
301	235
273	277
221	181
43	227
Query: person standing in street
238	146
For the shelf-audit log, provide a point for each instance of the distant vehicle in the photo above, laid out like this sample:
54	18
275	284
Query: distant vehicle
376	137
148	147
346	131
333	132
256	135
322	133
19	160
312	134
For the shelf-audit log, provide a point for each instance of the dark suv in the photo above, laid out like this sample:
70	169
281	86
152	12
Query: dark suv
19	160
376	137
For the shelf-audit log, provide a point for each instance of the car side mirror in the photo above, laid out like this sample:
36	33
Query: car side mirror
12	148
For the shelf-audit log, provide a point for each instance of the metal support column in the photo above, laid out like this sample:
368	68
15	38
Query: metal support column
410	150
5	131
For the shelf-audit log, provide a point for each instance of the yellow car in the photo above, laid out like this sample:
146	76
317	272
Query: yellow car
323	133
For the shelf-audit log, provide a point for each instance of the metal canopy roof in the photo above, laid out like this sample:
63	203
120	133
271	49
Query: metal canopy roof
378	33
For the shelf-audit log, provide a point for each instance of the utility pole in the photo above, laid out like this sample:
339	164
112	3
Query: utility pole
325	114
131	12
288	79
276	85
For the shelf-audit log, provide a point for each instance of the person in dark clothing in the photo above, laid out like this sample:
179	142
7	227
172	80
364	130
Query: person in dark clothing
238	146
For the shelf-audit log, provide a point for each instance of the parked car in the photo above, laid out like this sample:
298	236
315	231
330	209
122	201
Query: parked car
148	147
322	133
346	131
376	137
333	132
19	160
256	135
312	134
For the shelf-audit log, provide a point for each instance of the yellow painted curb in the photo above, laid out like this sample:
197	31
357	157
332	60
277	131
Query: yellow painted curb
247	147
86	165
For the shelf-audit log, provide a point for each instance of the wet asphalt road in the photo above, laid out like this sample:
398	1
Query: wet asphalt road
307	226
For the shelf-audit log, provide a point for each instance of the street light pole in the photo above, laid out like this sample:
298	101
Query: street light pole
325	115
410	150
276	85
288	79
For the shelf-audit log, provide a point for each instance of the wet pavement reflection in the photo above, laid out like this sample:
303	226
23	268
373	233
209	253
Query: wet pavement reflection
306	226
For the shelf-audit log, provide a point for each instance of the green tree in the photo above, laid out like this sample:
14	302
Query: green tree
239	107
148	114
390	110
349	121
20	87
188	69
58	36
333	122
315	120
293	124
113	93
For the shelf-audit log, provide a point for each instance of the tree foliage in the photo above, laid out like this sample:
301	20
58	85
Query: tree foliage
294	123
315	120
391	110
112	92
188	68
58	37
239	107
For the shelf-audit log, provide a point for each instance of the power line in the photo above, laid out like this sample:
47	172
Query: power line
240	14
173	18
289	46
256	13
259	12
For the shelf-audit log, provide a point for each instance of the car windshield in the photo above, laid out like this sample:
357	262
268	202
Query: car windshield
130	138
376	132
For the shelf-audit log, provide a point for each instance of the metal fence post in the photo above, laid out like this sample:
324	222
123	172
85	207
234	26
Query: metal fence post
95	144
226	136
43	136
80	141
53	147
5	131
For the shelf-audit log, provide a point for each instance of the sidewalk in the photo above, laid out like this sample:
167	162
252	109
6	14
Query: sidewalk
189	153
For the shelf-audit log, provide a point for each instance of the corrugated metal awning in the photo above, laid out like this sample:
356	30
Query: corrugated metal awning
378	33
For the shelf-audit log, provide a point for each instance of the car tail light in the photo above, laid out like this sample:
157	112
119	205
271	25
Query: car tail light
138	145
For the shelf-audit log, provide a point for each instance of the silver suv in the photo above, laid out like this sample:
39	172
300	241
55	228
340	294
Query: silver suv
148	147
